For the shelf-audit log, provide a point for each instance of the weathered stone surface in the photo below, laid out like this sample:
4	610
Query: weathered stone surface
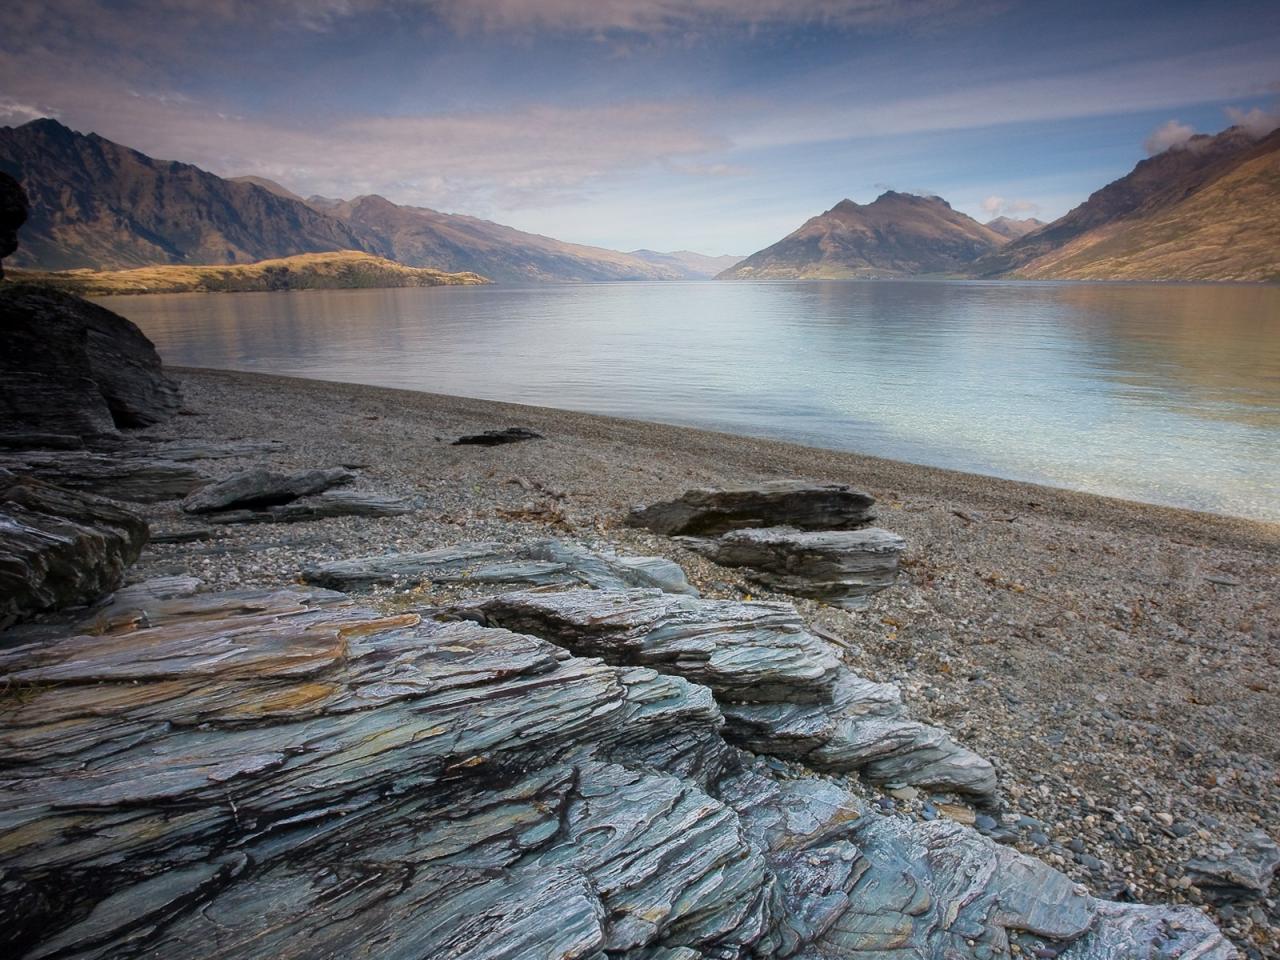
13	214
120	477
782	690
59	548
330	503
282	774
1242	871
539	563
494	438
790	503
841	567
260	487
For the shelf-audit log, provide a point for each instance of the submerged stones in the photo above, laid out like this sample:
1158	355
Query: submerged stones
783	503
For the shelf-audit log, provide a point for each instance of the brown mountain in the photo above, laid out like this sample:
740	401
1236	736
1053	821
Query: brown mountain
1154	185
897	235
99	205
418	236
1013	229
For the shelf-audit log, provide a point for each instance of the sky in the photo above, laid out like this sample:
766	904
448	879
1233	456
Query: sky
711	125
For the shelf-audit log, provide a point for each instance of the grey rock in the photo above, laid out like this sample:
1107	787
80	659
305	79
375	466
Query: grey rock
538	563
120	477
1241	872
330	503
808	506
841	567
494	438
59	548
13	214
260	487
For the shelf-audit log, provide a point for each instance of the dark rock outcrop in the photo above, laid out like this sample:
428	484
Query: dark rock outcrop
260	487
330	503
13	214
71	367
790	503
116	475
59	548
494	438
282	774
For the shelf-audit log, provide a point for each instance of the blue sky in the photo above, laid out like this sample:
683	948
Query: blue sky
714	125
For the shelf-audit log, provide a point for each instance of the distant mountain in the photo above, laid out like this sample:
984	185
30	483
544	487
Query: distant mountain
418	236
270	186
97	204
1227	228
897	235
692	266
1154	186
1013	229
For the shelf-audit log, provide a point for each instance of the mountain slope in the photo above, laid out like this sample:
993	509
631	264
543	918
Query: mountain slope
97	204
690	265
1013	229
1228	229
1153	185
897	235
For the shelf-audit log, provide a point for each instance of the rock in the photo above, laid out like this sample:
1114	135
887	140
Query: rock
493	438
788	503
260	487
183	450
841	567
282	774
1243	872
538	563
60	548
330	503
782	690
118	476
13	214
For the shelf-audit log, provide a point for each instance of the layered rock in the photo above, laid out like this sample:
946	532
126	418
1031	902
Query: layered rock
540	563
136	479
260	487
283	774
789	503
782	690
13	214
840	567
60	548
330	503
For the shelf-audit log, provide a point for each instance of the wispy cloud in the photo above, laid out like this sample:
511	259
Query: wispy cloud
1257	121
996	206
1169	135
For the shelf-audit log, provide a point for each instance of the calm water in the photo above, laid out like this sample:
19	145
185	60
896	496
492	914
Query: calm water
1158	392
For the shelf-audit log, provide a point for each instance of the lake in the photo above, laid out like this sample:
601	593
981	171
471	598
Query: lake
1166	393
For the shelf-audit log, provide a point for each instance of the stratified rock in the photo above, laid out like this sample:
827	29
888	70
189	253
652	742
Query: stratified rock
260	487
1240	872
536	564
494	438
13	214
782	690
196	449
121	362
841	567
59	548
331	503
120	477
780	503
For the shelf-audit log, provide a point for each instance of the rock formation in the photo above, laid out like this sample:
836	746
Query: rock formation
781	503
494	438
13	214
260	487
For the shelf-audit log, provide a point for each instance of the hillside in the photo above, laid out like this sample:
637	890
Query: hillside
98	205
418	236
897	235
1013	229
307	271
692	266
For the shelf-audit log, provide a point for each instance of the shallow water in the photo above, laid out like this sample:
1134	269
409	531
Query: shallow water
1168	393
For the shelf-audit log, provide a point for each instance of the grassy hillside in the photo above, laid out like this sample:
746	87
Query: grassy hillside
307	271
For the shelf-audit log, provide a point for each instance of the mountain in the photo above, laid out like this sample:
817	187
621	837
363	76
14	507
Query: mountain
344	270
418	236
1227	229
1013	229
97	204
691	266
1151	189
897	235
270	186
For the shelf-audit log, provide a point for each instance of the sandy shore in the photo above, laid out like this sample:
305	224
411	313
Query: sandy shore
1118	661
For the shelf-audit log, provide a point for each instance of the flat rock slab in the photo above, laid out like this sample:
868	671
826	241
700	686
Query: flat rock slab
800	504
282	774
136	479
331	503
840	567
1243	871
494	438
549	563
260	487
782	690
60	548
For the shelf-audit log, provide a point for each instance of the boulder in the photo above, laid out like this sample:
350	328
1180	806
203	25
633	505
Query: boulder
283	774
13	214
1242	871
494	438
260	487
790	503
60	548
840	567
540	563
135	479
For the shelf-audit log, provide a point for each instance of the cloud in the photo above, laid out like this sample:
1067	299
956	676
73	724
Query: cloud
994	206
1257	121
12	111
1170	135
